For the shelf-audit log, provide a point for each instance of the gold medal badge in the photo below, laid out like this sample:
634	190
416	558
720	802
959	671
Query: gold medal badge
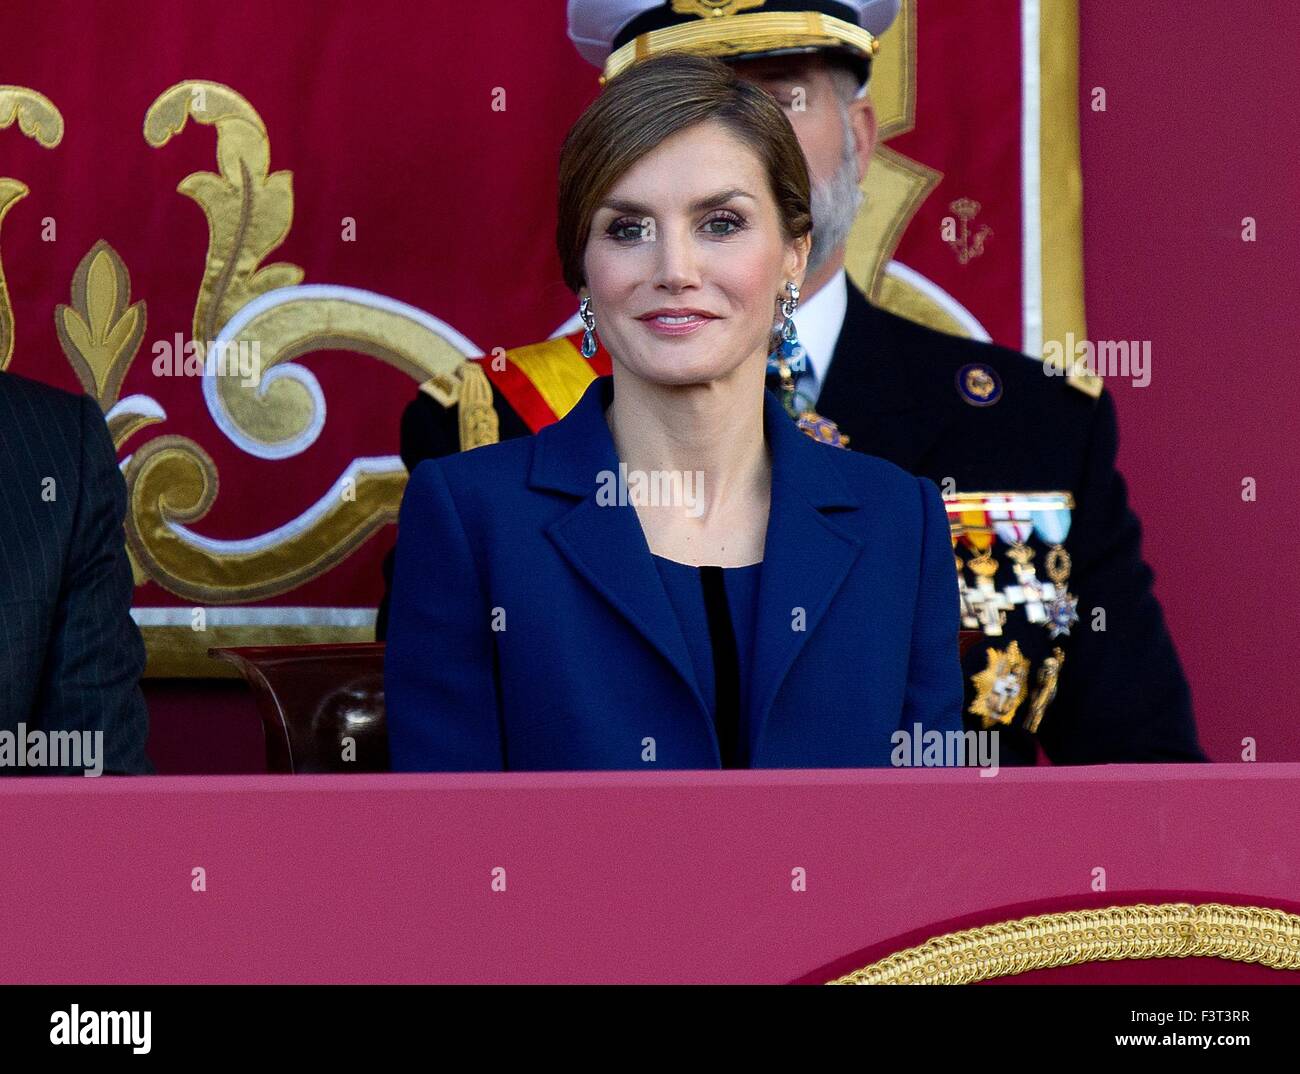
1048	673
1000	687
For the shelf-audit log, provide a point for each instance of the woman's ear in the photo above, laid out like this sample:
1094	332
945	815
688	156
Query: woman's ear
796	259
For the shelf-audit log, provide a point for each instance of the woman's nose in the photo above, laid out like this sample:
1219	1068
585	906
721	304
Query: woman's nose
676	264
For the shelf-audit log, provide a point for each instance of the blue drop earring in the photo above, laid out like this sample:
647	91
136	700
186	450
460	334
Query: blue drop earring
789	354
791	349
589	320
788	359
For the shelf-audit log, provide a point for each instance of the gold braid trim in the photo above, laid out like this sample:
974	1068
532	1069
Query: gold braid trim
479	423
742	35
1170	930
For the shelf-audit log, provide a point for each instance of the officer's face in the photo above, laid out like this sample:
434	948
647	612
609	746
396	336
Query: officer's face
686	259
805	90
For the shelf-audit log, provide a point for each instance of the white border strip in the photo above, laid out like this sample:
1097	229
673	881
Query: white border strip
377	466
941	298
1031	285
312	292
238	616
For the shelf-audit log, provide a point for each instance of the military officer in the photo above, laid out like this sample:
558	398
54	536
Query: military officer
1073	649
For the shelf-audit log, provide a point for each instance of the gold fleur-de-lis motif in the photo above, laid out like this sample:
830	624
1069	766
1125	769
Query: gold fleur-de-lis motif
99	332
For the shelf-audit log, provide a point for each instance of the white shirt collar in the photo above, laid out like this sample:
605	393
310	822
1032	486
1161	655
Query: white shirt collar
819	320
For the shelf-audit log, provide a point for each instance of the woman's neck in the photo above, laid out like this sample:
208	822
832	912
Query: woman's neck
707	440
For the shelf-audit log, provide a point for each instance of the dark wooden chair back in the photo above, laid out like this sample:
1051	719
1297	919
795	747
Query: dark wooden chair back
322	706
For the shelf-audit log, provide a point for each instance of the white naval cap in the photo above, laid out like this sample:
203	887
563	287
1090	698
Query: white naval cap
614	34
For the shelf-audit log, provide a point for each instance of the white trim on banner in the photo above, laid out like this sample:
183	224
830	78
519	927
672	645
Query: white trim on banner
1031	282
238	616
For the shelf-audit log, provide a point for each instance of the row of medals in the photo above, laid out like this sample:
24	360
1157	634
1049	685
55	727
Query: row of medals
1001	686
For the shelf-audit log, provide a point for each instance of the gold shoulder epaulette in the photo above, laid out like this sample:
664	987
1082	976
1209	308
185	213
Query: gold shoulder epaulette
479	423
470	391
443	387
1088	383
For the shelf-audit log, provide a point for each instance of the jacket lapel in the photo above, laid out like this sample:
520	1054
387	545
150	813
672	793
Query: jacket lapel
889	404
806	556
605	543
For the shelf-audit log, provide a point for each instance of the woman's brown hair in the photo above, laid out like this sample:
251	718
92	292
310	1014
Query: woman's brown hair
647	104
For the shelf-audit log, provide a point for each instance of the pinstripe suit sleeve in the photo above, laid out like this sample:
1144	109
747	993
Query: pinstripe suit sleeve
95	658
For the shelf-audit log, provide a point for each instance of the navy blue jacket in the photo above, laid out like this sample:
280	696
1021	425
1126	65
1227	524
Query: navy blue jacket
529	628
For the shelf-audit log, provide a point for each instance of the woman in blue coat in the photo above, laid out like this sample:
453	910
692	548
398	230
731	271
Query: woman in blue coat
673	575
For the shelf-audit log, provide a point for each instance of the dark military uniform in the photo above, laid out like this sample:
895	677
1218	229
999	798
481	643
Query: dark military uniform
894	387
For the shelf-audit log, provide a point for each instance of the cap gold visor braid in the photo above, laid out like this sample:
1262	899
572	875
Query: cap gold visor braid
739	35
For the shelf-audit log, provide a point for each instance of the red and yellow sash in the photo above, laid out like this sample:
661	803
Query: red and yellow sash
543	381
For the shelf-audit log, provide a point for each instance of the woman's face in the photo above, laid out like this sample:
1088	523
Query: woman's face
686	260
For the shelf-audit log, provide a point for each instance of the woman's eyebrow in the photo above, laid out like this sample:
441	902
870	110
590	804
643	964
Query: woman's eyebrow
720	198
709	201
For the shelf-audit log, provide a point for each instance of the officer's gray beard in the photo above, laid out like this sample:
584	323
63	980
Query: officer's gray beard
835	205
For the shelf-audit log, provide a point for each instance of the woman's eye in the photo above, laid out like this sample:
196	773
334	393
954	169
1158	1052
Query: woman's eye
627	230
724	224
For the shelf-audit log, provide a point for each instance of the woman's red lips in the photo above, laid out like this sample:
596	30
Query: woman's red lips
676	322
675	313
